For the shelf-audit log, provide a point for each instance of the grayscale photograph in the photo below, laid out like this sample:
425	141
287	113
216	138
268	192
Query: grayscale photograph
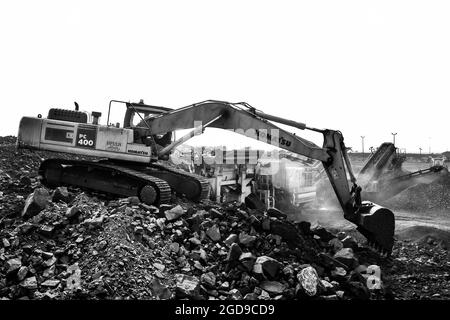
224	157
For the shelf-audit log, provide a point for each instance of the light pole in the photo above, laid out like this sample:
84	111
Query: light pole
371	149
393	135
362	142
420	151
429	145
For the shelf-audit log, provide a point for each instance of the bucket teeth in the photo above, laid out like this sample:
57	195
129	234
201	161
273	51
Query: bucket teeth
374	246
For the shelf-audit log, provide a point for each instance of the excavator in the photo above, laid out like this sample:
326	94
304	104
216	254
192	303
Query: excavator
130	159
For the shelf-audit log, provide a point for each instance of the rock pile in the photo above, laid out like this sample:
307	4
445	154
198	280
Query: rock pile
424	197
72	245
65	244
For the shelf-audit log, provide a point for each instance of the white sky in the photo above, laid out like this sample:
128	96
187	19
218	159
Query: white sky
363	67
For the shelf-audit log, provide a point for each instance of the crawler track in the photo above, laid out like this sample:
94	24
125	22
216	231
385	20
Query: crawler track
152	183
201	184
105	177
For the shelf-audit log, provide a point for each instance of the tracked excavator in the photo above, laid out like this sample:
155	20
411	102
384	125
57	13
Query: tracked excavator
131	157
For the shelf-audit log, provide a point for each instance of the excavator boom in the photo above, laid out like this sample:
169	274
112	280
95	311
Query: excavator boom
374	222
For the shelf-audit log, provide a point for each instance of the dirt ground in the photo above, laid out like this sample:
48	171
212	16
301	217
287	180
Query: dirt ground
334	219
405	220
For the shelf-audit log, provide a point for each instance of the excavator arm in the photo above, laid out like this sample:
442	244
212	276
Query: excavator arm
374	222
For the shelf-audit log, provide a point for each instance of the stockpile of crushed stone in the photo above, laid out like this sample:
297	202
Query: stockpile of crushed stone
423	197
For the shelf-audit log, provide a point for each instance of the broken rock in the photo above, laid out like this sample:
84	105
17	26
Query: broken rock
72	212
159	290
251	296
208	280
61	194
49	262
338	273
94	223
214	213
267	266
29	283
328	287
22	273
305	227
335	244
5	243
46	230
246	239
50	283
265	224
175	247
247	259
174	213
309	280
232	238
322	233
264	295
46	255
273	287
134	200
234	253
347	257
235	294
138	231
194	222
213	233
101	245
159	266
273	212
25	227
187	286
350	242
225	285
195	241
36	202
49	272
13	265
286	230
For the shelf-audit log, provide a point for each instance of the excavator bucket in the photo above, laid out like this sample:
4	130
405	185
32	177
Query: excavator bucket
377	224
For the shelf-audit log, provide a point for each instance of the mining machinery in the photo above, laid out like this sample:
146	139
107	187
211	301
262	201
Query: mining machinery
129	160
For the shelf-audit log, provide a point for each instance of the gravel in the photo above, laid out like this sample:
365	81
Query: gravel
82	245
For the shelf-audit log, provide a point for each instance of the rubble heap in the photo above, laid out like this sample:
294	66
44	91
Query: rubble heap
68	244
64	245
434	196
